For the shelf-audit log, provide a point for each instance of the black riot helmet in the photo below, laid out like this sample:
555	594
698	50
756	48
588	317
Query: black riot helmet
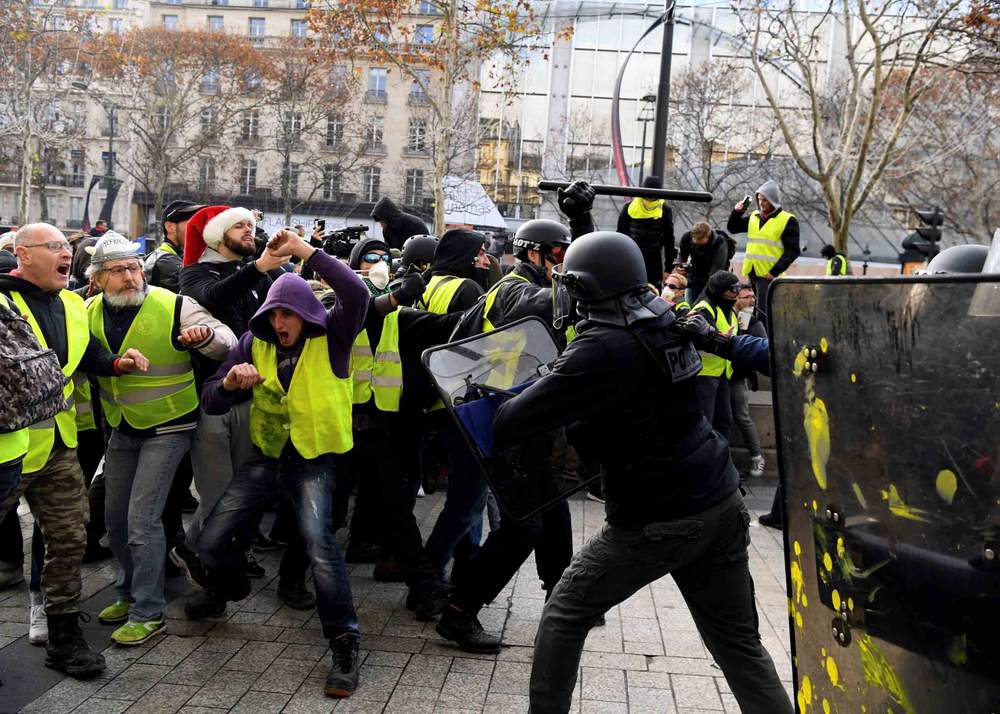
601	265
542	235
959	259
419	251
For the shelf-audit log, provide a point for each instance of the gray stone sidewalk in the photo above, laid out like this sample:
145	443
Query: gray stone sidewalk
264	657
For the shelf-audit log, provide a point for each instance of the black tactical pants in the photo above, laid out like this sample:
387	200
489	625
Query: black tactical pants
706	554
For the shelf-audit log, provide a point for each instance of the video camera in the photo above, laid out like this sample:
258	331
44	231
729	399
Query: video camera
340	242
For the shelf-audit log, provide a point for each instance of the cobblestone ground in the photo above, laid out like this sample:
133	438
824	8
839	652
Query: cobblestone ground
264	657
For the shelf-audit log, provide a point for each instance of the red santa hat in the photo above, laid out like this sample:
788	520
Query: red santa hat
208	226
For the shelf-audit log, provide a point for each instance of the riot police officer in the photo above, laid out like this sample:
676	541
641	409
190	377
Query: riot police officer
673	504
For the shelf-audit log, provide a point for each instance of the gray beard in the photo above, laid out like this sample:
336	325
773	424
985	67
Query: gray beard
127	300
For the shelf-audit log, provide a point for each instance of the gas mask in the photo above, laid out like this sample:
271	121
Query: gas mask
378	275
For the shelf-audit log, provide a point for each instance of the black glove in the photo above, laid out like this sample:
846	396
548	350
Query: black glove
703	334
576	200
411	287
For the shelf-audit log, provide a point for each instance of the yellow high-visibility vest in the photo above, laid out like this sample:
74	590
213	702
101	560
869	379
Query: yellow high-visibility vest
841	268
42	436
382	372
764	246
439	292
491	297
166	390
315	412
84	407
713	365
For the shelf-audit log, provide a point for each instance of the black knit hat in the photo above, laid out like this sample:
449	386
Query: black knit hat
722	281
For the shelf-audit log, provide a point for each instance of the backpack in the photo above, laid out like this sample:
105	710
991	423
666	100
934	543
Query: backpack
31	380
730	246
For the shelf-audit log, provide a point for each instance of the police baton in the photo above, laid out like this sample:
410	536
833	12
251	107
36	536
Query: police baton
634	192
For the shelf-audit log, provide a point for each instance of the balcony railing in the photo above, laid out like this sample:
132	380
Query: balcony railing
376	96
418	99
376	149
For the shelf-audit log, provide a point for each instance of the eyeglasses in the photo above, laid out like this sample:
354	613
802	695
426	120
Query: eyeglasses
120	270
558	253
674	286
56	246
375	257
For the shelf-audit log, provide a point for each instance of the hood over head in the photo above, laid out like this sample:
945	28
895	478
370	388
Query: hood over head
385	210
456	251
363	246
769	190
292	292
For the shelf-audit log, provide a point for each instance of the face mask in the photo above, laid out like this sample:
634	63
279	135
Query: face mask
379	275
744	317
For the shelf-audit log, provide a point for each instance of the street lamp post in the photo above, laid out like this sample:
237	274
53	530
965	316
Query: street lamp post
109	165
645	116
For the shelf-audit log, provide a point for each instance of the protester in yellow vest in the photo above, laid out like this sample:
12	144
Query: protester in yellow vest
52	480
650	223
772	240
296	360
152	415
163	265
458	272
836	263
712	385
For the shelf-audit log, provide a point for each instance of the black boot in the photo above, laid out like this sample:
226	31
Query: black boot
464	629
206	603
343	678
67	651
296	596
427	599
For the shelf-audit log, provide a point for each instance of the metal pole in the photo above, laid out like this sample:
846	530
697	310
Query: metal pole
663	97
642	152
111	154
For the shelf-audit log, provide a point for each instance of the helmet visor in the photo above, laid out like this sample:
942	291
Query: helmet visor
563	304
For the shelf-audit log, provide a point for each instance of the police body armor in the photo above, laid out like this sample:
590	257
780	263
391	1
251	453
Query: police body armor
888	421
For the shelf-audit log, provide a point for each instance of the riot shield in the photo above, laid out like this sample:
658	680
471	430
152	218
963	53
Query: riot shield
887	403
474	376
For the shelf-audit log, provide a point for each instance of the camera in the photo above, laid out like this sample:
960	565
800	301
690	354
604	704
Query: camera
340	242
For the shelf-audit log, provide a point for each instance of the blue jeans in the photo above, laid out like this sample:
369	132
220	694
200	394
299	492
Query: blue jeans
137	474
308	484
459	527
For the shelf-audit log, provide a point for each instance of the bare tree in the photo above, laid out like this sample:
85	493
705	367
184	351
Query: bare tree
441	51
838	120
39	52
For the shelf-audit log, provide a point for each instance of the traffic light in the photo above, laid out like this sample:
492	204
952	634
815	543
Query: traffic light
934	219
922	244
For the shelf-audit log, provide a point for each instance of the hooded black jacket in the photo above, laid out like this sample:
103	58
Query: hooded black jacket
398	225
514	299
454	255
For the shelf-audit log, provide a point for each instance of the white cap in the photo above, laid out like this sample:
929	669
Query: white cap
112	246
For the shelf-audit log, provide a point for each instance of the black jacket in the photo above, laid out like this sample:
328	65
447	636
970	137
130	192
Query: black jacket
454	255
705	259
398	225
514	299
650	233
7	262
739	223
639	419
165	270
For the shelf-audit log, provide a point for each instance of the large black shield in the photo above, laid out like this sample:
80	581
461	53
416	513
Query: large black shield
887	401
474	376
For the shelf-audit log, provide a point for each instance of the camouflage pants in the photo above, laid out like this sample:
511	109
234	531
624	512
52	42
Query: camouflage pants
58	500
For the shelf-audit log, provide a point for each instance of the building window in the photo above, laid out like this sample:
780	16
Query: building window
424	34
427	7
331	182
170	22
376	128
334	132
77	167
110	127
419	86
417	136
256	29
300	28
116	25
210	82
108	158
292	126
206	173
219	3
293	172
377	83
251	82
372	178
121	4
301	4
413	192
216	23
260	3
251	125
248	176
207	121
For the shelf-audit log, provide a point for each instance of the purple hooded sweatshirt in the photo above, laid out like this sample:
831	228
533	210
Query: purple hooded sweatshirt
340	325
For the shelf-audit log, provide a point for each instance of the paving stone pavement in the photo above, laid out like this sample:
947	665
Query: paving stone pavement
264	657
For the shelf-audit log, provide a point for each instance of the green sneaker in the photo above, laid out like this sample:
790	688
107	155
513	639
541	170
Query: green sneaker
135	633
118	612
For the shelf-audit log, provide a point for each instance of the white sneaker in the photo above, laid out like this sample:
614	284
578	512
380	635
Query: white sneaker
757	466
420	491
38	630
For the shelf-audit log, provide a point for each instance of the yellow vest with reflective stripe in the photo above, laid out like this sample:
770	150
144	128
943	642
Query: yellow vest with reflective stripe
713	365
166	390
764	245
841	265
491	297
381	373
439	292
84	407
43	434
315	413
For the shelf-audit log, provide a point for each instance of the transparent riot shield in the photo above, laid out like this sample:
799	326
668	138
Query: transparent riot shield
887	403
477	374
